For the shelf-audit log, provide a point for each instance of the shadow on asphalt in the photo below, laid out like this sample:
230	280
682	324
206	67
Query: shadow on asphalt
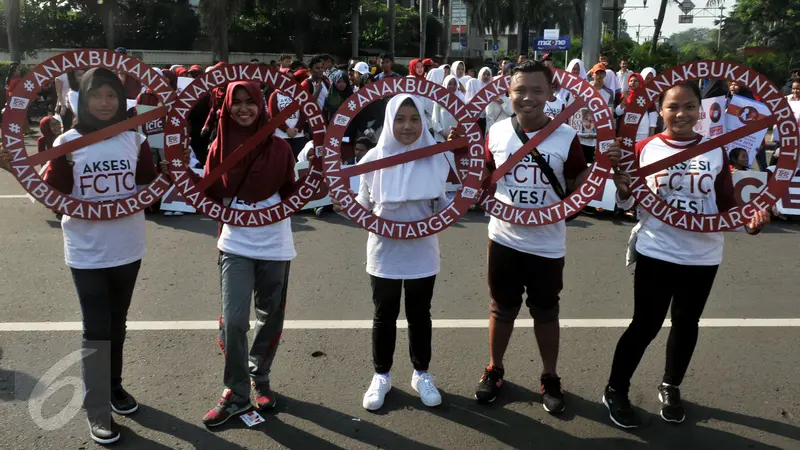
195	435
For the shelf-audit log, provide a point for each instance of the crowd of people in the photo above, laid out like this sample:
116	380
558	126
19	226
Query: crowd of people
255	262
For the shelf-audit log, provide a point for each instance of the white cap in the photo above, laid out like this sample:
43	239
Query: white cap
362	68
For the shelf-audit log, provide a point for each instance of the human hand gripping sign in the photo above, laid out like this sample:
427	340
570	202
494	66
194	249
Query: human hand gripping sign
23	166
751	215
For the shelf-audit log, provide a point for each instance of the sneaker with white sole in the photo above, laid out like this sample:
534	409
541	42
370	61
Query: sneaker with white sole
422	382
380	386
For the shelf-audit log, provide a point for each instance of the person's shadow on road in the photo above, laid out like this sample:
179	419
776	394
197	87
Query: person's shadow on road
195	436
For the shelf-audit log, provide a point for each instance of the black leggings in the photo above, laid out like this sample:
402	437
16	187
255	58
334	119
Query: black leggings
656	284
105	296
386	297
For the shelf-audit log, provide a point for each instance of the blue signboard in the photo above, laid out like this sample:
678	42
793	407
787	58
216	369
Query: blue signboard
546	45
463	43
496	47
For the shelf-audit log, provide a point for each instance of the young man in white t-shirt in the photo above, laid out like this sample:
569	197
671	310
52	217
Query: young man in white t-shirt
523	258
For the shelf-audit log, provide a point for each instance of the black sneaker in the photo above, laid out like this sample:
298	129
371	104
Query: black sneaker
263	397
552	394
122	402
490	384
225	409
671	405
620	409
103	430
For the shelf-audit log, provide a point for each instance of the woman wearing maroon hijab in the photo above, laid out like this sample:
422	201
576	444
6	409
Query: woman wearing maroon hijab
254	262
50	129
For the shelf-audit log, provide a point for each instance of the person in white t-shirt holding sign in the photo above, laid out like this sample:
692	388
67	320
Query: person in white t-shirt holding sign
529	258
406	192
674	267
254	261
104	266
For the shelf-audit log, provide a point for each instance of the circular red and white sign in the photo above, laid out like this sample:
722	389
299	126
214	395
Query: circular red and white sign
586	96
176	139
469	163
24	167
660	174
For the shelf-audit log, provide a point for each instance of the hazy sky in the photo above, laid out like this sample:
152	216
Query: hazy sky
671	26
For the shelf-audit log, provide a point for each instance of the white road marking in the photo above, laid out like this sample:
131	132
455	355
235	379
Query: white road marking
367	324
13	196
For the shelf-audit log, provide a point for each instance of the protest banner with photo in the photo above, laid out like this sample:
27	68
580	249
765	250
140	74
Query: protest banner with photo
789	204
712	123
583	122
748	183
740	112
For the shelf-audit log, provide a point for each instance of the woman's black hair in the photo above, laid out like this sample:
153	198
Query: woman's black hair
692	85
296	65
11	69
530	66
94	79
72	79
734	154
365	141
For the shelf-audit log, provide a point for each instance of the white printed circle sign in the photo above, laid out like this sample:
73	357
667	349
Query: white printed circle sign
685	209
469	163
510	180
111	184
176	139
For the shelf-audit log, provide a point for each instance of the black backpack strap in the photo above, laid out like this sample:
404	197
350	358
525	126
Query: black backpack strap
540	161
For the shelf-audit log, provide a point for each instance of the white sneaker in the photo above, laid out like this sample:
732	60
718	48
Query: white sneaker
423	384
380	386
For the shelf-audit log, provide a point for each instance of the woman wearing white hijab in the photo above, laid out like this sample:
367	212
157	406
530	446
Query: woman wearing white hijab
442	120
648	74
406	192
435	76
459	70
474	86
576	68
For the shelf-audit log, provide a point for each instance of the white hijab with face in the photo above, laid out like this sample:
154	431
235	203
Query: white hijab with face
422	179
454	71
446	82
571	65
647	71
476	84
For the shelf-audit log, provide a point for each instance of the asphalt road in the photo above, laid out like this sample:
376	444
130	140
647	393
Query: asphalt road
742	390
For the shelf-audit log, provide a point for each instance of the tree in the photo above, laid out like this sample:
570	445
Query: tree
13	29
218	16
392	23
423	27
692	35
354	13
447	30
106	11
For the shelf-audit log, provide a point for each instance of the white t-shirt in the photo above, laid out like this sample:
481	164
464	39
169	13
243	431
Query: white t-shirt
72	101
442	121
268	243
497	112
553	107
104	171
291	122
525	186
691	186
402	259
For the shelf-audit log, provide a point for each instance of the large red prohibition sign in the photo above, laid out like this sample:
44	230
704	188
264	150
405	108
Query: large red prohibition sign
585	96
781	116
471	165
176	138
24	166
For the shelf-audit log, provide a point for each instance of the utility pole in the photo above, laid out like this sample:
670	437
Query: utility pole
591	30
